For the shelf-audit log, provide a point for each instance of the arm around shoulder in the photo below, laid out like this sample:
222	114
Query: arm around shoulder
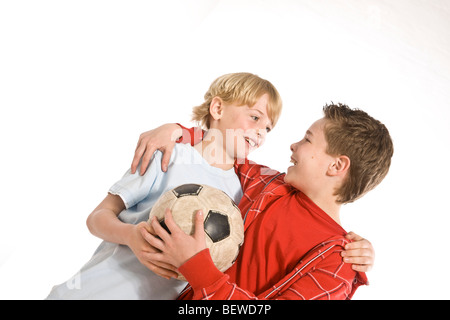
162	138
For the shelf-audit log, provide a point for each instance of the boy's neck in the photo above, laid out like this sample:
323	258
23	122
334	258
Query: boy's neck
332	209
328	204
214	152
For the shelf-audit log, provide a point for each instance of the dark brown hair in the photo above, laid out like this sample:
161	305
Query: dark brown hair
366	141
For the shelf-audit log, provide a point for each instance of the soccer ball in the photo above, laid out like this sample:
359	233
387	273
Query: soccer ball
223	223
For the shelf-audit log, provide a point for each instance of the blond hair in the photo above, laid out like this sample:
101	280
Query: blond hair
240	88
366	141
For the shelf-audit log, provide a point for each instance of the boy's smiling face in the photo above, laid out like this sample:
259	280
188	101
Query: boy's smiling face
310	160
244	127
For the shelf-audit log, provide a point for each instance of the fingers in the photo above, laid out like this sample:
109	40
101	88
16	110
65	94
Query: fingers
153	240
176	246
362	268
147	157
361	244
150	256
144	225
157	265
359	255
167	153
170	223
160	231
357	242
160	268
358	252
162	138
361	260
199	232
168	274
144	152
140	149
353	236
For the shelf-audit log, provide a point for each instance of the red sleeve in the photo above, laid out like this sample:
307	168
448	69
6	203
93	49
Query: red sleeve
320	275
192	135
330	279
208	282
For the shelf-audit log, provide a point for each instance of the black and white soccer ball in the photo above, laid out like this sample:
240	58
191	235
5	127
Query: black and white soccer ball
223	223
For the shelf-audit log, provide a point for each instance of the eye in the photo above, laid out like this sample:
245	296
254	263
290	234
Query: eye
268	129
256	118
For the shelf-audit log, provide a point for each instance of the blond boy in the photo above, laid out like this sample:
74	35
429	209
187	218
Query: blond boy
244	103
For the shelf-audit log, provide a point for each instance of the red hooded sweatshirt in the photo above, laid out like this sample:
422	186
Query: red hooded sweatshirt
291	248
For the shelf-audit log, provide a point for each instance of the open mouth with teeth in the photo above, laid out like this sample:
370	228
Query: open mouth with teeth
251	143
294	161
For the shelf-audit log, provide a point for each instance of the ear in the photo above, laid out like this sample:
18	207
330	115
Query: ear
339	167
216	108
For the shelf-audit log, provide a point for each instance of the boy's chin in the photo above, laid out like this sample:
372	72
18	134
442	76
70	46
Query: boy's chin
288	177
293	181
243	154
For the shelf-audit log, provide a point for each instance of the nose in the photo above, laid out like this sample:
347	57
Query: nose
261	134
293	147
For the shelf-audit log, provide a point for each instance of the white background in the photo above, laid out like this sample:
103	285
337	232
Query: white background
80	80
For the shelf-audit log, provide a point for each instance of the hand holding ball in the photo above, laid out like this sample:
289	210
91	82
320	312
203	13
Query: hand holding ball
223	225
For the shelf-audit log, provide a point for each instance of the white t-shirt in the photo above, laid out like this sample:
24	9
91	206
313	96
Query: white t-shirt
114	272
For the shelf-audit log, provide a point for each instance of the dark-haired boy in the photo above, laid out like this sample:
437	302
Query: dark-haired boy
293	238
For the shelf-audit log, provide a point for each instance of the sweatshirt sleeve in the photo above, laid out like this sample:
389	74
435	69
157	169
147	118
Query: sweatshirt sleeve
320	275
208	282
190	135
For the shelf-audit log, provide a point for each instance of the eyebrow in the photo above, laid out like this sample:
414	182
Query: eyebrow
260	112
309	133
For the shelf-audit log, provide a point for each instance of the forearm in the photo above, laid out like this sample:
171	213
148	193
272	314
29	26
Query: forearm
105	224
320	274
